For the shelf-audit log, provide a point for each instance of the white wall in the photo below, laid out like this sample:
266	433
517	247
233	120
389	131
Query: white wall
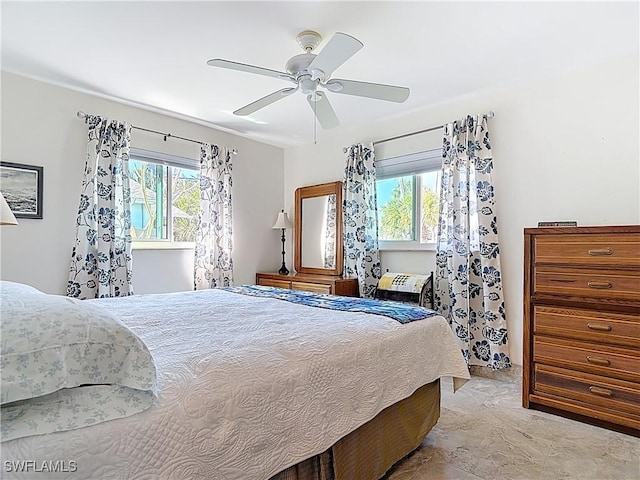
565	148
40	127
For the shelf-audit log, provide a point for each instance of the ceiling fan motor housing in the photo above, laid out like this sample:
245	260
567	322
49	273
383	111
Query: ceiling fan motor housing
299	64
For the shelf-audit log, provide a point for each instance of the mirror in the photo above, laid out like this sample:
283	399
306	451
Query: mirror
318	229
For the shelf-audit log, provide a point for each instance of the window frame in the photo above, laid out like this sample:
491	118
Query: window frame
171	161
412	164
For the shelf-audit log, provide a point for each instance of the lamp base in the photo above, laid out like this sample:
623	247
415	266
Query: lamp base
283	270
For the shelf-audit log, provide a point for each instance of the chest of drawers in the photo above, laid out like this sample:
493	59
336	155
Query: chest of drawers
581	346
334	285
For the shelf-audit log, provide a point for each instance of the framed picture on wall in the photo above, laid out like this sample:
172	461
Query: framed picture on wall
21	186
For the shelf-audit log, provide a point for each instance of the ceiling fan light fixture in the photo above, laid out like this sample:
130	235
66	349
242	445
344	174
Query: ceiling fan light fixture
307	85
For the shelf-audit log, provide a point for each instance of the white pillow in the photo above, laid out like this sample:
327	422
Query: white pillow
50	342
13	288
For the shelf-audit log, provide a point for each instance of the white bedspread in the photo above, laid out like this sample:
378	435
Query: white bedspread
247	387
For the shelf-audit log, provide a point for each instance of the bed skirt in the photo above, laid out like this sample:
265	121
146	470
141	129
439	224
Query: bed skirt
370	450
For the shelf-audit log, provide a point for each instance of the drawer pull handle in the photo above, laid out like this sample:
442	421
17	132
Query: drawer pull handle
603	392
599	326
600	252
598	361
600	285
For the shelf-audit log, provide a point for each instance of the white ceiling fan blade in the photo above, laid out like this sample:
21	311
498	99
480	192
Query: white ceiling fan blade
340	48
264	101
323	111
379	91
243	67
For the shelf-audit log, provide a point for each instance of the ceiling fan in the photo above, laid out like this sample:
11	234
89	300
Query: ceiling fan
309	71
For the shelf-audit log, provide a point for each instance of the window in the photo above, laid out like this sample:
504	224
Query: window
408	193
165	199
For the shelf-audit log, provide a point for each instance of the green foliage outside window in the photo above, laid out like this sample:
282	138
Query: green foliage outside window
430	214
149	201
186	196
396	215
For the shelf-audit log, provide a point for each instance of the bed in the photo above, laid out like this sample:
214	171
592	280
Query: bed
252	386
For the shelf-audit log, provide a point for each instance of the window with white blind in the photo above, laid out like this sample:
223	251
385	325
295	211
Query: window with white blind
408	193
165	199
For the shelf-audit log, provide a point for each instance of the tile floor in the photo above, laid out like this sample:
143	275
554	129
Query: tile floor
484	433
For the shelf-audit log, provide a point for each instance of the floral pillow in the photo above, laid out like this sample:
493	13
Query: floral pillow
51	342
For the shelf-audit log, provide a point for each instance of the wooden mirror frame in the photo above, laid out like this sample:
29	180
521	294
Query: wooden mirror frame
333	188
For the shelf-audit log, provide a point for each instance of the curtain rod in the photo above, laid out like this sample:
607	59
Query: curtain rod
84	116
431	129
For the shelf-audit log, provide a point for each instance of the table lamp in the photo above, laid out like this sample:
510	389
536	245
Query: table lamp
283	223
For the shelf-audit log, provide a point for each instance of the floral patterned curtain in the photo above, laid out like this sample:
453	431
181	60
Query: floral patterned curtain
360	218
213	266
101	262
468	283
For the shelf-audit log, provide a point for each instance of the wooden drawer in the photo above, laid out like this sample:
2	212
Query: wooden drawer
598	249
311	287
586	357
270	282
603	327
330	284
588	389
610	284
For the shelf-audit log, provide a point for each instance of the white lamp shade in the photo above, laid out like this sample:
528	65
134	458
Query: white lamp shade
282	221
6	215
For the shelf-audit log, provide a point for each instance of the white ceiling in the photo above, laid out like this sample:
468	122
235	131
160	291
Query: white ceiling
154	53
